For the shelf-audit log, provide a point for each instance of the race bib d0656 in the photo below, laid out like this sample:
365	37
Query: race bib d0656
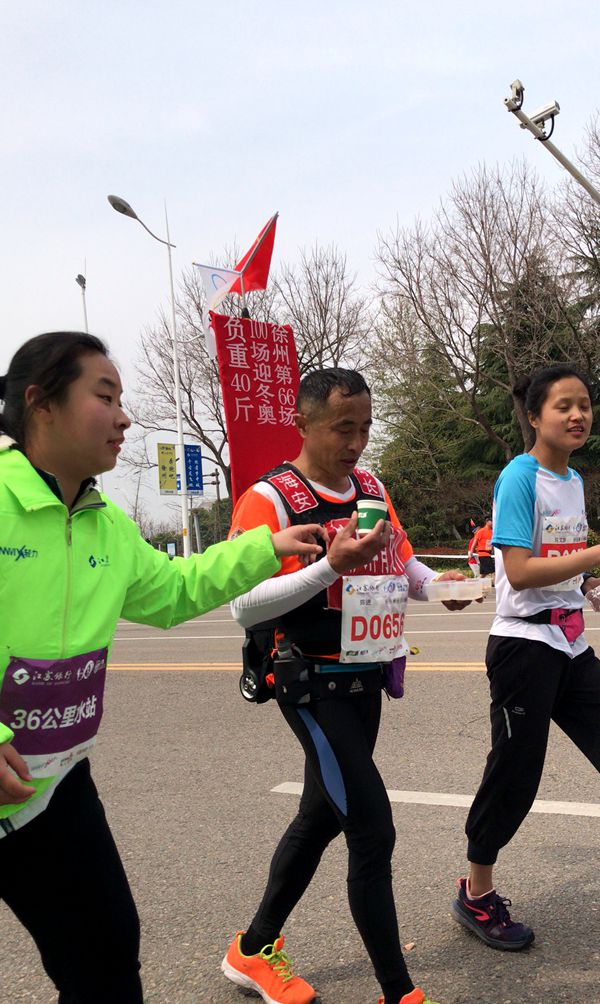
373	611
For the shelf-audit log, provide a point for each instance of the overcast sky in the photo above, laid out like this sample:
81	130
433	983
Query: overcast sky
344	116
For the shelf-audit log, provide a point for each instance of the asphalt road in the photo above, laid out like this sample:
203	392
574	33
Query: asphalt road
187	772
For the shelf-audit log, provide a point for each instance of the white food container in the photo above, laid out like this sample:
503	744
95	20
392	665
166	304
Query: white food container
467	589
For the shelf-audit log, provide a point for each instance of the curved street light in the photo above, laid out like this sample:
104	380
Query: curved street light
80	280
121	206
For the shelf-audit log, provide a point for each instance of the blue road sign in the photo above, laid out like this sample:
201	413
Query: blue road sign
193	469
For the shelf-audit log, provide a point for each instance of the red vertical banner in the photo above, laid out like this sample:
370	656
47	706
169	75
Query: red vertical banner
258	368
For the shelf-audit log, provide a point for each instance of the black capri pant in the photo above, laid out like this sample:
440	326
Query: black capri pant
62	876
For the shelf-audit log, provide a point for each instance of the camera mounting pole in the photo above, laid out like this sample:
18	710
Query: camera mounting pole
536	125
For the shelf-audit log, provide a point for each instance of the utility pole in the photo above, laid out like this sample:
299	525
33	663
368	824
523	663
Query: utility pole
121	206
218	509
197	530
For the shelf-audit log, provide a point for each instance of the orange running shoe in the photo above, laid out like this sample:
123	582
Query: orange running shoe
269	973
416	996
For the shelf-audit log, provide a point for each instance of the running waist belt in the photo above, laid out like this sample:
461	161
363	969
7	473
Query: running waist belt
570	622
554	616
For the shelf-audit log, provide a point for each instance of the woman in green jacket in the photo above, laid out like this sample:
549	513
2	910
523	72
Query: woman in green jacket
71	564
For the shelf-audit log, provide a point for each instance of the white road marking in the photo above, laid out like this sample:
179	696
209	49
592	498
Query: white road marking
166	636
180	637
464	801
203	619
196	621
410	633
454	613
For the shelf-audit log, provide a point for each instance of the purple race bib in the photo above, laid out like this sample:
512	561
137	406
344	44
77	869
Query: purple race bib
54	707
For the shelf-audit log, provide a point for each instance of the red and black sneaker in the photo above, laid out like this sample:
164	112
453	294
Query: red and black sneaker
488	918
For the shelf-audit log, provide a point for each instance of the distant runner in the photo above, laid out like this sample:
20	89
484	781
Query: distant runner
481	547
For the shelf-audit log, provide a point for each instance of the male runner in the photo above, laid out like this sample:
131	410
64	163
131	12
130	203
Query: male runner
330	632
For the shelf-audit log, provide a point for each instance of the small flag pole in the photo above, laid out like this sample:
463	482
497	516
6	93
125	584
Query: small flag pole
245	311
273	220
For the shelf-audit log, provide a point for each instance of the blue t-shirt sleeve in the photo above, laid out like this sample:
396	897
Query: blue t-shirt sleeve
514	505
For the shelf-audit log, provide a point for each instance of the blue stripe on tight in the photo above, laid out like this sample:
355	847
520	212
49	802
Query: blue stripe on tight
330	770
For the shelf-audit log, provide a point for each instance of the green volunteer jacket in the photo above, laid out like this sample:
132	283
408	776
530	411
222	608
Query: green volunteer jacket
65	580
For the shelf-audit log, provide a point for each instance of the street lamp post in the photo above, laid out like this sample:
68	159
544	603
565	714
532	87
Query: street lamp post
80	280
123	207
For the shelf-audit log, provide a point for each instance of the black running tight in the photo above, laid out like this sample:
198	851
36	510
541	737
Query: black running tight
343	792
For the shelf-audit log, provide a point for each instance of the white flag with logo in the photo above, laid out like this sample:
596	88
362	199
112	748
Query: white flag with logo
217	282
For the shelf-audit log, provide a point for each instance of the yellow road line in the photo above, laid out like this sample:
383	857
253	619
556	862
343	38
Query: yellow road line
180	667
235	667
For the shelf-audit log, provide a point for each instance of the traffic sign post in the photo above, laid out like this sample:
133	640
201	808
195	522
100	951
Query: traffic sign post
193	469
167	465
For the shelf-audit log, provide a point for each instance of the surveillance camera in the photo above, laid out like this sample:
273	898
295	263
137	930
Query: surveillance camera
515	101
543	114
517	89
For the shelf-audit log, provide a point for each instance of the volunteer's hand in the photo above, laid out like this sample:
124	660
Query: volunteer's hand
455	577
13	766
300	540
346	553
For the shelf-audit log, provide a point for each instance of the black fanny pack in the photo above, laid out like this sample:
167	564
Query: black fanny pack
299	680
348	683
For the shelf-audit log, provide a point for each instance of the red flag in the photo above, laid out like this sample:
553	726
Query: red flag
256	263
258	368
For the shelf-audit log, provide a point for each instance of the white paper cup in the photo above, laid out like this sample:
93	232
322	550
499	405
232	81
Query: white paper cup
370	511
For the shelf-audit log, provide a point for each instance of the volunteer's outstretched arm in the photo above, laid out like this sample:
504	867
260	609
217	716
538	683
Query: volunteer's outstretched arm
278	596
164	592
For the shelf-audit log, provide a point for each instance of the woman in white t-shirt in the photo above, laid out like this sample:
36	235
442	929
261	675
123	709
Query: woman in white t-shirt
539	665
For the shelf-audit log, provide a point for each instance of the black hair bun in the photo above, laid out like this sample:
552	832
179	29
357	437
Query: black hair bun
2	387
521	387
